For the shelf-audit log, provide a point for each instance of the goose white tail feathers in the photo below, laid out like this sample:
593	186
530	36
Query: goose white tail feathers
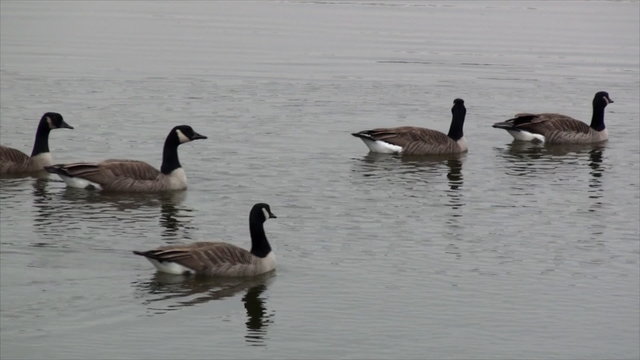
219	258
377	146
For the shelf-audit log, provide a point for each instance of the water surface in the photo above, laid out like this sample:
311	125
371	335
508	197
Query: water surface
509	251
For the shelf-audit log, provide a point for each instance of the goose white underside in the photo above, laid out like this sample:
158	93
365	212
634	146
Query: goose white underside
382	147
522	135
80	183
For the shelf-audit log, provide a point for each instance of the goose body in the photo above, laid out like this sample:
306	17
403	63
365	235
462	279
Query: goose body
13	161
132	175
552	128
412	140
219	258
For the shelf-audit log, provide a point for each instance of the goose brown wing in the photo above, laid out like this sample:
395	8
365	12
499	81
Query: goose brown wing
202	256
547	122
12	156
137	170
405	135
109	171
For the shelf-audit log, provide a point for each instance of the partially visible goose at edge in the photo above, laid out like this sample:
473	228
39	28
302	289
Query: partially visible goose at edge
131	175
219	258
553	128
410	140
13	161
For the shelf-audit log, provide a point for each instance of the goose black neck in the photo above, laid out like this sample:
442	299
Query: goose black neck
457	123
597	120
41	144
170	159
259	244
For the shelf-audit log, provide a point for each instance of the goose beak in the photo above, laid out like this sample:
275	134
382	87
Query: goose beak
65	125
272	215
608	99
197	136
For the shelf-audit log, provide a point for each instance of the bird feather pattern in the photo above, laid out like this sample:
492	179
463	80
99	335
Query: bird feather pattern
209	258
415	140
12	160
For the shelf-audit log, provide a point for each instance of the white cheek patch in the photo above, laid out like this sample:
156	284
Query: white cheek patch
50	123
182	137
266	213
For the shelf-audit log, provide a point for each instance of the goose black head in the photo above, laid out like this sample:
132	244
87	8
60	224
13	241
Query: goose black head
458	107
55	121
185	133
262	212
602	99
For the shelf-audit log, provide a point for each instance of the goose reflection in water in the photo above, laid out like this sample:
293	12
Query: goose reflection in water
597	170
455	182
258	318
375	165
416	169
535	160
419	174
38	175
71	208
166	292
526	158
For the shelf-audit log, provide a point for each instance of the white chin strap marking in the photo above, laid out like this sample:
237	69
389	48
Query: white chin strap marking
50	123
266	213
182	137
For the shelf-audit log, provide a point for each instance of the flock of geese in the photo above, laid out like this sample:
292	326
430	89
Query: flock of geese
224	259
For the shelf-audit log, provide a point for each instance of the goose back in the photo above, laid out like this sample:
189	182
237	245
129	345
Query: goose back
13	160
122	176
556	128
210	259
416	140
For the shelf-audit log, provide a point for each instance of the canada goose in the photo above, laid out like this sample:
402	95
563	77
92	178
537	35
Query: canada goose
559	129
410	140
218	258
132	175
13	161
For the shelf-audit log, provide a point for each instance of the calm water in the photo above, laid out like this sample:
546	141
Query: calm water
510	251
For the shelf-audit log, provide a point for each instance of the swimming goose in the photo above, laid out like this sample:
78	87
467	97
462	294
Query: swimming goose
13	161
218	258
410	140
559	129
131	175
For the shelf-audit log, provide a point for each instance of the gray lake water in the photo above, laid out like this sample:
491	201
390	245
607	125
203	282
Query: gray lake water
510	251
